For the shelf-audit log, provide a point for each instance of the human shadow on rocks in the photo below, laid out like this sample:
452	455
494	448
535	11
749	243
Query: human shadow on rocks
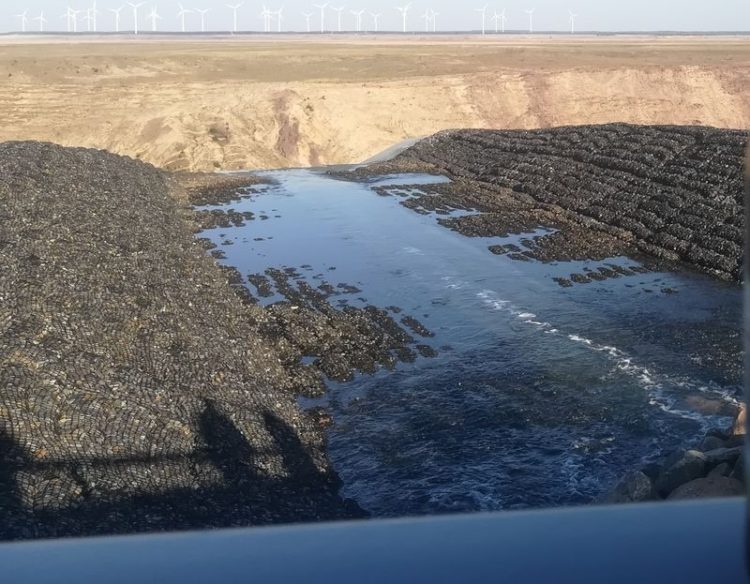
242	496
12	461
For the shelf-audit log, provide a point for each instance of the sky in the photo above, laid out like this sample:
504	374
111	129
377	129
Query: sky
549	15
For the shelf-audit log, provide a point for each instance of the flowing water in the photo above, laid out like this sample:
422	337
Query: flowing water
540	395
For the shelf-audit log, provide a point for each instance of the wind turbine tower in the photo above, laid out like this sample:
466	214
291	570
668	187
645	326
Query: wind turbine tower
234	8
484	18
531	20
427	19
135	15
24	19
308	16
322	8
89	19
154	17
279	16
117	12
71	17
340	10
358	19
573	23
376	19
265	14
94	13
499	21
434	16
203	13
181	14
404	10
42	21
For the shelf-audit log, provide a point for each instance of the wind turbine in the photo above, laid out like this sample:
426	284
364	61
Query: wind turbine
135	15
572	22
434	20
340	10
358	19
279	15
74	18
265	14
404	10
66	16
234	8
376	18
94	13
42	21
322	15
531	19
484	18
116	12
89	19
154	16
203	13
181	14
426	17
308	16
24	19
71	17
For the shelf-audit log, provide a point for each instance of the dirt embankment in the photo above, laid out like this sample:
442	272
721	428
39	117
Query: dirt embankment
236	105
138	391
671	193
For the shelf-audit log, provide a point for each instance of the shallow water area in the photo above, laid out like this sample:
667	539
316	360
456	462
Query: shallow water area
540	395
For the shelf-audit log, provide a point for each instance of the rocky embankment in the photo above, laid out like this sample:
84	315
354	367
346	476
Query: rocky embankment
139	392
671	194
714	468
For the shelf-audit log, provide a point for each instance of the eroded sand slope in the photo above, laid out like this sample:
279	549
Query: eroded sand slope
232	105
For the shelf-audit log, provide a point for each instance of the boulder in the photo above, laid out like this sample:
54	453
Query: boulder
732	441
635	486
713	486
715	457
691	466
722	470
710	443
738	472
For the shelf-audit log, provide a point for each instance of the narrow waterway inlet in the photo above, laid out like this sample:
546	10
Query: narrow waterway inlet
524	393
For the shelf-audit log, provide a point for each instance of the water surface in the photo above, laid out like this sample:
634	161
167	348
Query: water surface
540	395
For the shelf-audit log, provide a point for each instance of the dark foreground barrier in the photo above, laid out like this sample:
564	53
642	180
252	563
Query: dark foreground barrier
674	542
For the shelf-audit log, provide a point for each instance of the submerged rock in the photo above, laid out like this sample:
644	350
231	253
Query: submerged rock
634	487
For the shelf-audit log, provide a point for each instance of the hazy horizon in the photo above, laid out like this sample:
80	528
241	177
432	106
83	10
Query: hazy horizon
549	15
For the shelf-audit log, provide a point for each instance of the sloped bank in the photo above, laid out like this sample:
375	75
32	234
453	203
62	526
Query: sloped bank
671	193
138	392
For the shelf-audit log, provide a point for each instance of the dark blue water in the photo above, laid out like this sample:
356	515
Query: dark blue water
540	395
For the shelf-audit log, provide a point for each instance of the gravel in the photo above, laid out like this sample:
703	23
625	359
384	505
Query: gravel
673	194
139	393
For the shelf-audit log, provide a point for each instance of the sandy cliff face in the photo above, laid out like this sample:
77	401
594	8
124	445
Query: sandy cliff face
232	106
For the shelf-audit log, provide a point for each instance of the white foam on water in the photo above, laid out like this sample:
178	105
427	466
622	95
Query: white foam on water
413	251
657	386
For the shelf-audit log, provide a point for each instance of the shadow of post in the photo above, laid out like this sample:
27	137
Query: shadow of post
227	448
13	515
298	462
